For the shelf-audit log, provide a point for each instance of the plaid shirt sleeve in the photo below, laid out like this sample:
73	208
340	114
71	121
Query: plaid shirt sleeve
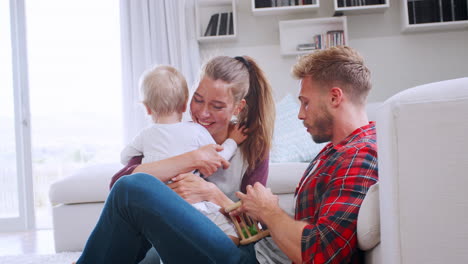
332	238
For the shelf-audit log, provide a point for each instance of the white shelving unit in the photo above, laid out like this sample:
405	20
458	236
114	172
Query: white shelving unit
435	26
295	32
204	9
281	10
363	9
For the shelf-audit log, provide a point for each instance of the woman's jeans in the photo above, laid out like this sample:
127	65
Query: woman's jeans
141	212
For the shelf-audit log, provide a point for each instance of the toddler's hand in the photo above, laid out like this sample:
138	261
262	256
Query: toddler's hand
238	133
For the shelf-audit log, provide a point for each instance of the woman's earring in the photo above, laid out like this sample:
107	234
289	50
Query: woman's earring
234	119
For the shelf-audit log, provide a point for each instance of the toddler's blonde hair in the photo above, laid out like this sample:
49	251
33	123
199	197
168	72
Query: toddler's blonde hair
164	90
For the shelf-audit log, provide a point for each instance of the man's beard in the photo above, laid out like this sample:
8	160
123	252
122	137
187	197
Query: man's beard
324	127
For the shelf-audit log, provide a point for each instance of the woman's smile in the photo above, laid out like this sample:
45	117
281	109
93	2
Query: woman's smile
204	123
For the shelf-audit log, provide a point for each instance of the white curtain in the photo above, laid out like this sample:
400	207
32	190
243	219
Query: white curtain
154	32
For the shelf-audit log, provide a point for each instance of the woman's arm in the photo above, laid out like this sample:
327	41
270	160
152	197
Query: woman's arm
195	189
259	174
127	170
205	159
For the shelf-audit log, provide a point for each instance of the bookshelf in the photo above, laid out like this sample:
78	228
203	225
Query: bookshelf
282	7
433	15
305	32
222	14
354	7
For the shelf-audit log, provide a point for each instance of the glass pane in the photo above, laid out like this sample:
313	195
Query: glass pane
75	89
8	179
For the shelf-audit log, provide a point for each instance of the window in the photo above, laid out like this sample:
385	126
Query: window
74	88
8	180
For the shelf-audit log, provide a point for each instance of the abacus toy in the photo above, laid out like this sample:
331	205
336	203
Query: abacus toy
248	229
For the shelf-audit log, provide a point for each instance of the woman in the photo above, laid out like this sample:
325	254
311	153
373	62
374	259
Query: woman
142	211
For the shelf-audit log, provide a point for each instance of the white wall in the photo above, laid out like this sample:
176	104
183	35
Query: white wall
397	60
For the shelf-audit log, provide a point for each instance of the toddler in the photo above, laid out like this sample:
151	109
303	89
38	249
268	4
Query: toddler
165	96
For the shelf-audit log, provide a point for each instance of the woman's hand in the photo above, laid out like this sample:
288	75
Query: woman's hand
192	187
207	159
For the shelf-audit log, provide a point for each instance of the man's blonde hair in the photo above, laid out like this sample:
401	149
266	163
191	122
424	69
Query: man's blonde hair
337	66
164	90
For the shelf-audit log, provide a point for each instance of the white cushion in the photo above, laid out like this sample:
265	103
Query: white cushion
291	142
284	177
368	222
87	185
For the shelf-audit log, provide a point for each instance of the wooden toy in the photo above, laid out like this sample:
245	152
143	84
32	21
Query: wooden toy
247	228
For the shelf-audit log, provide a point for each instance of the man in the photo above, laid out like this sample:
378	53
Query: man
334	87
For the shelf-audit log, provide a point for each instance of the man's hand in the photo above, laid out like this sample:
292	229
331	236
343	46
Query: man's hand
259	203
208	160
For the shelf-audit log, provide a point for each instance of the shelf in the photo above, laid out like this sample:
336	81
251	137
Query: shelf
205	9
363	9
295	32
284	10
433	21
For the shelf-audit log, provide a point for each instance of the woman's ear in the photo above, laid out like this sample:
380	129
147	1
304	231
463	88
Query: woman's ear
239	106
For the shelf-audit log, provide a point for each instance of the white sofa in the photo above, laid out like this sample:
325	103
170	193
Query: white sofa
79	199
422	136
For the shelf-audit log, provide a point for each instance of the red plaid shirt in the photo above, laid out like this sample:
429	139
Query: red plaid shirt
330	197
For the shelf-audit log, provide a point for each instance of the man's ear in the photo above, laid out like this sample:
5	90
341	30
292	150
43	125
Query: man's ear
336	96
148	109
239	106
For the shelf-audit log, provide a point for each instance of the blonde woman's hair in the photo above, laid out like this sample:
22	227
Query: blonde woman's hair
337	66
164	90
247	81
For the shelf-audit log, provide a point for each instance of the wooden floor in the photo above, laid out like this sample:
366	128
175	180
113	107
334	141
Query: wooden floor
31	242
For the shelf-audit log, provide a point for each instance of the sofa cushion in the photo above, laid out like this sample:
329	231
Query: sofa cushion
291	142
284	177
368	223
87	185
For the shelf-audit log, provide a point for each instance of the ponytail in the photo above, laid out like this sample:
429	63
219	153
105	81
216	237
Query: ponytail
258	116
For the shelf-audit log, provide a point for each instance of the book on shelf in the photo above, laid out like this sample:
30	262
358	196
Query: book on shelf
220	24
212	28
306	46
231	24
447	10
279	3
329	39
461	9
263	3
223	24
435	11
352	3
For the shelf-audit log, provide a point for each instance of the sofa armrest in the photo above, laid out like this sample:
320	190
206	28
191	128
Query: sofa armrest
87	185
